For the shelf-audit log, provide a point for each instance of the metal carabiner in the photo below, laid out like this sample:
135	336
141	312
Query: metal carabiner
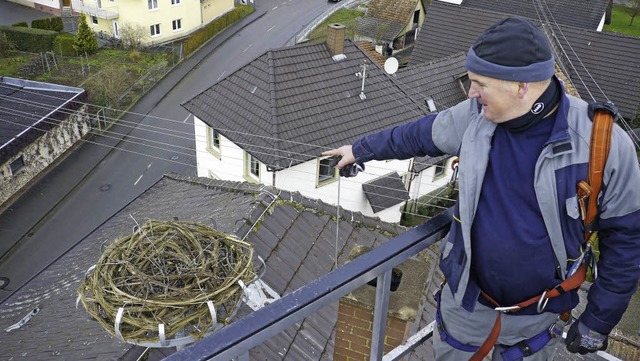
542	302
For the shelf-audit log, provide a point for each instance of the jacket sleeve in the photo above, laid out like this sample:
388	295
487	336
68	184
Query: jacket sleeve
432	135
619	232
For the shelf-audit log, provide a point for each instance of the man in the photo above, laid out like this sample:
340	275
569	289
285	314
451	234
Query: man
523	146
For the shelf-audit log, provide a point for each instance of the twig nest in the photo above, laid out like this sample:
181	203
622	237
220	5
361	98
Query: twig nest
164	273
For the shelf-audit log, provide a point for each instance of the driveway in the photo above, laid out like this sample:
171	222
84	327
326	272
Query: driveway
11	13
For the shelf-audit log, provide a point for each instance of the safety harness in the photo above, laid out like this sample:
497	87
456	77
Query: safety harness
587	191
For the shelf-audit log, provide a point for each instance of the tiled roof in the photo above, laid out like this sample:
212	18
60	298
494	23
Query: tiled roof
603	62
297	240
385	191
399	11
25	104
449	29
379	29
578	13
385	19
436	79
613	60
289	104
422	163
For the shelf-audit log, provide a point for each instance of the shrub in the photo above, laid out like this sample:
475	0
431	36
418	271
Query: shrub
23	24
5	45
57	24
40	24
134	55
132	35
210	30
63	44
85	40
28	39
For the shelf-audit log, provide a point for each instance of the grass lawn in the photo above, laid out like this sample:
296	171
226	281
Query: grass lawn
620	22
346	17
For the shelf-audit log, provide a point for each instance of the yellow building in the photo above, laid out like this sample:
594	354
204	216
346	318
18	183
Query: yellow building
163	20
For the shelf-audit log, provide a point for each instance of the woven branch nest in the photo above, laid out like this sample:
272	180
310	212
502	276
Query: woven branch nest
165	273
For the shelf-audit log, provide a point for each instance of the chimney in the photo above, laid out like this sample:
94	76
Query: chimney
335	38
355	311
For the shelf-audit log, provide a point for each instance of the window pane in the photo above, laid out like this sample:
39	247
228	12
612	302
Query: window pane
325	171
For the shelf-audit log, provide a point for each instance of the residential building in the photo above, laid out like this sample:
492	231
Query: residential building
162	20
600	65
391	25
39	122
270	121
54	7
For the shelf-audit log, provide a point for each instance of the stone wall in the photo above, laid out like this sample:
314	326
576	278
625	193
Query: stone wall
41	153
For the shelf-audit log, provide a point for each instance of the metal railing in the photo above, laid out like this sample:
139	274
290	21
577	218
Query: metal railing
236	339
96	9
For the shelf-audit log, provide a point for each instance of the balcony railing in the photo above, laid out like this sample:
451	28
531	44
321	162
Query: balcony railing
236	339
96	8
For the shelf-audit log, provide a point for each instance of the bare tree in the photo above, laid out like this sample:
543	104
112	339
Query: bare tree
133	35
633	9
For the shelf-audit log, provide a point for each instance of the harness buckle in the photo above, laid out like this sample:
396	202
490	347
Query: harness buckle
507	309
542	302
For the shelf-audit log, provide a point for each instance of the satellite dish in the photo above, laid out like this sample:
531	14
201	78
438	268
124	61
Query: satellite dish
391	65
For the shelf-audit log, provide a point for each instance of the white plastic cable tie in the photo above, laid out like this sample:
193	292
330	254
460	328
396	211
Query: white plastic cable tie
161	335
89	270
117	323
212	311
23	321
244	290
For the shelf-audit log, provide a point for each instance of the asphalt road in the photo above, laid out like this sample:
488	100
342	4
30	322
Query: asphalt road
161	142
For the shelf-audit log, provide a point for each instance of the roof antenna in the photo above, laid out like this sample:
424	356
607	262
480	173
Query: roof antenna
363	75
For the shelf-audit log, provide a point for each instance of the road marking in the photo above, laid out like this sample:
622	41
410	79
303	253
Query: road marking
274	8
271	28
149	166
221	75
245	50
136	183
184	121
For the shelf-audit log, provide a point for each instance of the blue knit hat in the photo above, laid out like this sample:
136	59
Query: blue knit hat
512	49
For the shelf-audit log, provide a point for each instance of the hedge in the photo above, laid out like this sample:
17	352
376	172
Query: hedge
23	24
63	44
28	39
54	24
210	30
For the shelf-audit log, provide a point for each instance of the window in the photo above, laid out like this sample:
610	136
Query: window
326	173
94	20
464	82
177	24
440	169
16	165
153	4
213	142
251	168
155	29
175	2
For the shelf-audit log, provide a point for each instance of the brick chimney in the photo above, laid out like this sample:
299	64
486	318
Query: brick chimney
335	38
355	312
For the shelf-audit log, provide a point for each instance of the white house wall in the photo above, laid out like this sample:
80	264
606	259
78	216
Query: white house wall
302	177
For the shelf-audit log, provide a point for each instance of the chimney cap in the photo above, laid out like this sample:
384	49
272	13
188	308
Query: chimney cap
336	26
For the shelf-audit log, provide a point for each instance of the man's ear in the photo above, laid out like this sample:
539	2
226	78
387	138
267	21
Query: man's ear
523	88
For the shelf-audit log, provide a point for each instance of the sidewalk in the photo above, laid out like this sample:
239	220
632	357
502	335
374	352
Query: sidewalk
21	218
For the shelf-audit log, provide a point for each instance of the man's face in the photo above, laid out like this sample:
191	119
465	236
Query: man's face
499	98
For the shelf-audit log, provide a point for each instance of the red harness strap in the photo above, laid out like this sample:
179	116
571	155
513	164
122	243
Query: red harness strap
571	283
